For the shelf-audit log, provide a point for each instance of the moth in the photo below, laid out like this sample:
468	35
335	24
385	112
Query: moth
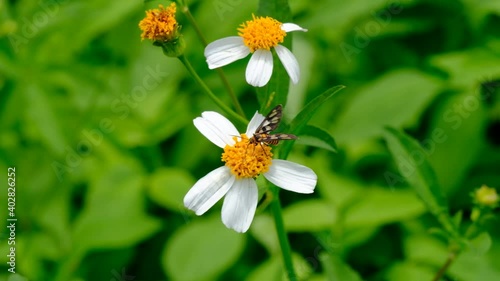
269	124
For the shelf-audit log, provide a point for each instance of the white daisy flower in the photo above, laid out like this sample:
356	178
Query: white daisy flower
244	161
256	36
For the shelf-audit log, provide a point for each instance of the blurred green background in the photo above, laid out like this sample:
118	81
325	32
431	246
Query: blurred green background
99	127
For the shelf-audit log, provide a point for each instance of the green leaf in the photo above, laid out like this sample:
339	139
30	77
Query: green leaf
412	164
300	121
391	206
298	217
339	190
477	264
268	270
408	271
337	269
314	136
201	250
468	266
395	99
457	218
114	215
168	186
264	231
456	138
467	68
276	91
426	248
42	118
480	244
278	9
272	269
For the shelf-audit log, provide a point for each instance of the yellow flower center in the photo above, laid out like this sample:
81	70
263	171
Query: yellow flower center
247	160
487	196
159	24
261	33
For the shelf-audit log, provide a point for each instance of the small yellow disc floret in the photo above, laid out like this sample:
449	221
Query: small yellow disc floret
246	160
261	33
160	24
486	196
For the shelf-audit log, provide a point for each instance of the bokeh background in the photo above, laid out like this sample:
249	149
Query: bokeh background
99	127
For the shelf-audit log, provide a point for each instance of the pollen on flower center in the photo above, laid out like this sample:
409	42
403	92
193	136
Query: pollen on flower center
261	33
246	160
160	24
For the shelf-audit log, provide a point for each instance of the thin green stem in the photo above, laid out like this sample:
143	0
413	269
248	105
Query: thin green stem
282	235
222	76
207	90
451	257
189	16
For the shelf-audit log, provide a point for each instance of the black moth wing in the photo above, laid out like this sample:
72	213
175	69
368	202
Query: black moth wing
271	121
275	139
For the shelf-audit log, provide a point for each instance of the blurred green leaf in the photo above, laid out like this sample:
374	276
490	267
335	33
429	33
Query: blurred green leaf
337	269
390	206
124	222
358	236
341	191
264	231
457	218
395	99
300	121
420	175
425	248
278	9
468	266
314	136
468	68
272	269
201	250
409	271
480	244
41	117
168	186
268	270
309	215
455	138
476	265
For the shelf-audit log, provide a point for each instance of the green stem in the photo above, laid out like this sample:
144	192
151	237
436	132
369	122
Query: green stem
282	236
189	16
451	257
207	90
222	76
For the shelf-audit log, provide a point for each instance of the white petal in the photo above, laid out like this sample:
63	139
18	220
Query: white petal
208	190
225	51
289	62
240	204
259	68
291	176
254	123
287	27
216	128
